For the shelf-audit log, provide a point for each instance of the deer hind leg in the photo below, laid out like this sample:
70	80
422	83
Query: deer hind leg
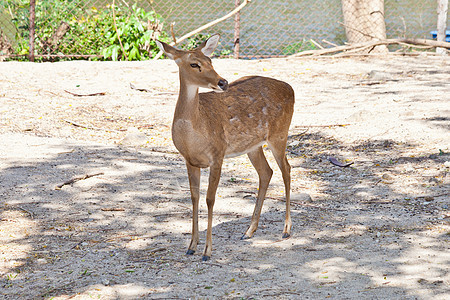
279	152
194	183
214	178
259	161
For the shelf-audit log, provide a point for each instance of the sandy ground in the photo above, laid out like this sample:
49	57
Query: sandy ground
376	230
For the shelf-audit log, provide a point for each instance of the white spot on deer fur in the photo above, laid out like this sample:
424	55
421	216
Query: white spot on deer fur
250	116
234	119
264	110
262	125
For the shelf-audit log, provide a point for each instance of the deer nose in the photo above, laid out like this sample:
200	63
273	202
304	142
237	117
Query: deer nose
223	84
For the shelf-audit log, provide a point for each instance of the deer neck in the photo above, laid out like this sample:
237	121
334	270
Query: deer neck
187	107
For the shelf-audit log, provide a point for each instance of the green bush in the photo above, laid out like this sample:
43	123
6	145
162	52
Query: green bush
136	41
298	47
92	31
195	41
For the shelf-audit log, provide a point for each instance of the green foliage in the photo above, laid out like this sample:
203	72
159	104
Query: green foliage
92	30
298	47
196	40
133	40
18	10
125	33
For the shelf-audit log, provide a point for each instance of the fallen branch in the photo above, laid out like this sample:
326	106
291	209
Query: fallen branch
362	46
206	26
112	209
162	151
345	54
316	44
329	43
84	95
78	178
335	162
330	125
377	201
133	87
92	127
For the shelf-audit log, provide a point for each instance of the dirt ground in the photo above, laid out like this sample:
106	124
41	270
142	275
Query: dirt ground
378	229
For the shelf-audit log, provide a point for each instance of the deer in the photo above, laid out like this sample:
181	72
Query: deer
231	120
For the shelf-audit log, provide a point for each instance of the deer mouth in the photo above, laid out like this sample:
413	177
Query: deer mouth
216	89
221	86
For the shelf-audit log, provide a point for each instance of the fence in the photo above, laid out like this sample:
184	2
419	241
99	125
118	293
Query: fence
87	28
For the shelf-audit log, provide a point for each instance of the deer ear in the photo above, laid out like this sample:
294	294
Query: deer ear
208	46
170	51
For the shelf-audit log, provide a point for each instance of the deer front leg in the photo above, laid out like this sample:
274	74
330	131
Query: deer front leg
194	184
214	177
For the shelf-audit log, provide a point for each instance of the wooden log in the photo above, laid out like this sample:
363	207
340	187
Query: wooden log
410	42
78	178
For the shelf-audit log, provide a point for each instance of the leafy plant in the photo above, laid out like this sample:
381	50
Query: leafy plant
298	47
92	31
133	38
196	40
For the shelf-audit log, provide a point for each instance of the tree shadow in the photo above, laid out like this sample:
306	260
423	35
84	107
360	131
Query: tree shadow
440	122
123	234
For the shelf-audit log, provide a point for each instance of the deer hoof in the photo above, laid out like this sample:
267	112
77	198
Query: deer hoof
245	237
286	235
190	252
206	258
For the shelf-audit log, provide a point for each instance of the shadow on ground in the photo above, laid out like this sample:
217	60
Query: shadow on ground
123	234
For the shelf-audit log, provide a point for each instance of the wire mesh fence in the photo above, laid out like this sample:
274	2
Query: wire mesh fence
120	29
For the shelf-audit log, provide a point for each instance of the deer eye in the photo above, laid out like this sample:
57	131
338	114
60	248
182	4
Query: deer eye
195	66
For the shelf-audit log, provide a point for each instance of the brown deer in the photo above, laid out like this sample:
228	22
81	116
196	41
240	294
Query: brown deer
232	120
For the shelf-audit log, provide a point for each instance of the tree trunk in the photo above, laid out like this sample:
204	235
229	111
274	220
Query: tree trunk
442	8
364	21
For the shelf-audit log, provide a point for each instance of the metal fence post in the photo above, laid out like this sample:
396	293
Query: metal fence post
32	29
237	28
